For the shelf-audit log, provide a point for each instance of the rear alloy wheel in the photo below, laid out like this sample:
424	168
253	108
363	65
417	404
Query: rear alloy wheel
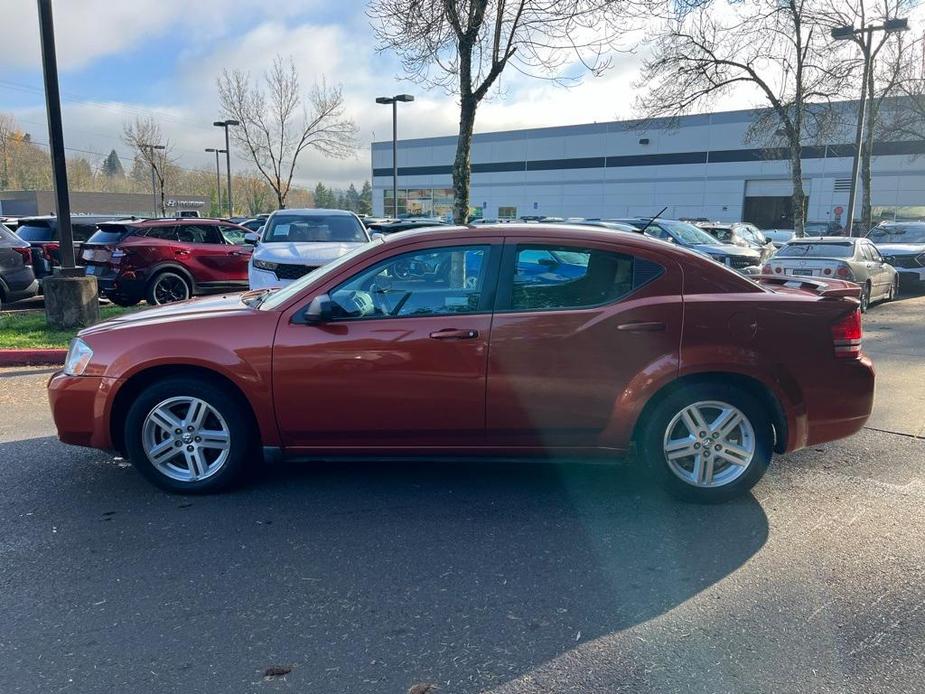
167	288
710	442
188	436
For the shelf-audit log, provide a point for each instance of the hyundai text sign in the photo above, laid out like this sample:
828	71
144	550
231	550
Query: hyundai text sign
185	203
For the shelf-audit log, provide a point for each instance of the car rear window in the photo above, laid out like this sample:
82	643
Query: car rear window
6	235
37	231
817	250
317	228
111	233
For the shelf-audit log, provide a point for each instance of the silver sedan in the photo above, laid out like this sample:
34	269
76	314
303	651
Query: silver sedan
838	257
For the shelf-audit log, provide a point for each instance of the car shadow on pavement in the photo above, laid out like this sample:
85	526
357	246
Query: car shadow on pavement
360	576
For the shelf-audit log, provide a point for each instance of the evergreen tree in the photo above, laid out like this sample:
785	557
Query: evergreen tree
365	205
353	199
112	166
321	196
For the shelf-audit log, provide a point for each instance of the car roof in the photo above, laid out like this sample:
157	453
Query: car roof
314	211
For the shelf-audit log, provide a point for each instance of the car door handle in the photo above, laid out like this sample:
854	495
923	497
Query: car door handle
455	334
236	253
180	252
643	327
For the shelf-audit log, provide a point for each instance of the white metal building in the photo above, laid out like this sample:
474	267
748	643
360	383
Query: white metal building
703	167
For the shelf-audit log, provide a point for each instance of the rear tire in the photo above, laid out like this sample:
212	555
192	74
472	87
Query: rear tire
732	425
865	297
894	290
167	287
189	436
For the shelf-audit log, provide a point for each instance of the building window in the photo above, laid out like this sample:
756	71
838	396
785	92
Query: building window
507	213
419	202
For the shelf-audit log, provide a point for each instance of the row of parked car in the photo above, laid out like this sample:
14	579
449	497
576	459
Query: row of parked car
167	260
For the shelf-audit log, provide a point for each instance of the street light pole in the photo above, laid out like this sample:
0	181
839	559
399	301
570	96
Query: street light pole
394	101
218	177
151	149
864	36
224	124
56	140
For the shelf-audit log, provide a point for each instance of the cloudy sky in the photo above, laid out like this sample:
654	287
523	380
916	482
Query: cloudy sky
162	57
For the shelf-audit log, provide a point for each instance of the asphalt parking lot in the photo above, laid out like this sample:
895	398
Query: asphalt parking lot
362	577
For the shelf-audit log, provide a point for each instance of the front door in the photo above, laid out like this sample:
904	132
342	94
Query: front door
577	326
402	361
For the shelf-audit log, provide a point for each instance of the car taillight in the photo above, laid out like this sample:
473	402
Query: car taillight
844	272
846	336
26	254
49	249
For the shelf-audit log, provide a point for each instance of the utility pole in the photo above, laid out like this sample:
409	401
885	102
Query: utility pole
224	124
218	176
71	298
864	37
394	101
151	149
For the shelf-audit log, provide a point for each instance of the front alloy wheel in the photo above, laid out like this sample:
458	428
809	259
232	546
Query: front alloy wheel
186	439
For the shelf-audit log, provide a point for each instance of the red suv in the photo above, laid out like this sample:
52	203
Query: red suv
166	260
491	340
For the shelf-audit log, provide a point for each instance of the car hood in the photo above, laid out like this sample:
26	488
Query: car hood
304	252
725	249
901	248
185	310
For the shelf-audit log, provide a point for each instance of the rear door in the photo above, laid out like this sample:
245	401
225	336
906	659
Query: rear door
880	276
568	341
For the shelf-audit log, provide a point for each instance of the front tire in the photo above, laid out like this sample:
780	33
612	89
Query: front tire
189	436
709	442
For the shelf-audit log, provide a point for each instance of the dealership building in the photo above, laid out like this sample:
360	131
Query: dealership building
698	166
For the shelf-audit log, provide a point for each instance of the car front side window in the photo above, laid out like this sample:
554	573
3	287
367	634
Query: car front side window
432	282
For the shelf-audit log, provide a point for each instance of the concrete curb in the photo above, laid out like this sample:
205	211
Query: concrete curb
32	357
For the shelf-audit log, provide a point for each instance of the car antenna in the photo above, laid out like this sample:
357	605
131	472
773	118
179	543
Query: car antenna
643	230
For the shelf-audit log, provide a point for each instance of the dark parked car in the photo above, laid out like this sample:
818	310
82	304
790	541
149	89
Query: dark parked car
42	235
166	260
902	245
17	280
689	236
402	347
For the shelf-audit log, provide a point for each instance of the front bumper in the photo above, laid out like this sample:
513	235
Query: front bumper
906	274
79	407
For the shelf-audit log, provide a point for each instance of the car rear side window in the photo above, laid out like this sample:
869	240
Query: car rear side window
546	278
164	233
198	233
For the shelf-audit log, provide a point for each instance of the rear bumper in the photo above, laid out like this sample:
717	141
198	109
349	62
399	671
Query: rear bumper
26	292
843	407
126	286
79	409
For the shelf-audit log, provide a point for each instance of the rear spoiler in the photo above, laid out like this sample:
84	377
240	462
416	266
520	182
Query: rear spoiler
827	289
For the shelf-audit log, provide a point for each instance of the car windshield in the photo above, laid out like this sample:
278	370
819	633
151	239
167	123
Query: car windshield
817	250
898	233
276	299
686	233
814	228
320	228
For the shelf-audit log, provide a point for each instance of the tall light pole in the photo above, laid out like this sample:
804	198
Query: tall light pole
218	176
864	37
151	149
394	101
224	124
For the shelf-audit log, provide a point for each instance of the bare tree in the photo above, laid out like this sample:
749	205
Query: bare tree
705	50
144	136
278	123
463	46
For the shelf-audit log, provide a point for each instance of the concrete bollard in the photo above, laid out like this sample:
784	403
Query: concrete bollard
71	302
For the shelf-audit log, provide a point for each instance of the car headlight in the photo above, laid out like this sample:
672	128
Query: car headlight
264	265
79	355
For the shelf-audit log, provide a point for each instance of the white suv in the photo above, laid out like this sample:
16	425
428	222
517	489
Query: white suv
292	243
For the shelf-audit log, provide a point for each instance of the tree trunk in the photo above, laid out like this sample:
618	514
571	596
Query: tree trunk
798	197
462	169
163	198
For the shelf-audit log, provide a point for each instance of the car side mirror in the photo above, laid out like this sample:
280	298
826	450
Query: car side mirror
320	310
377	236
251	237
